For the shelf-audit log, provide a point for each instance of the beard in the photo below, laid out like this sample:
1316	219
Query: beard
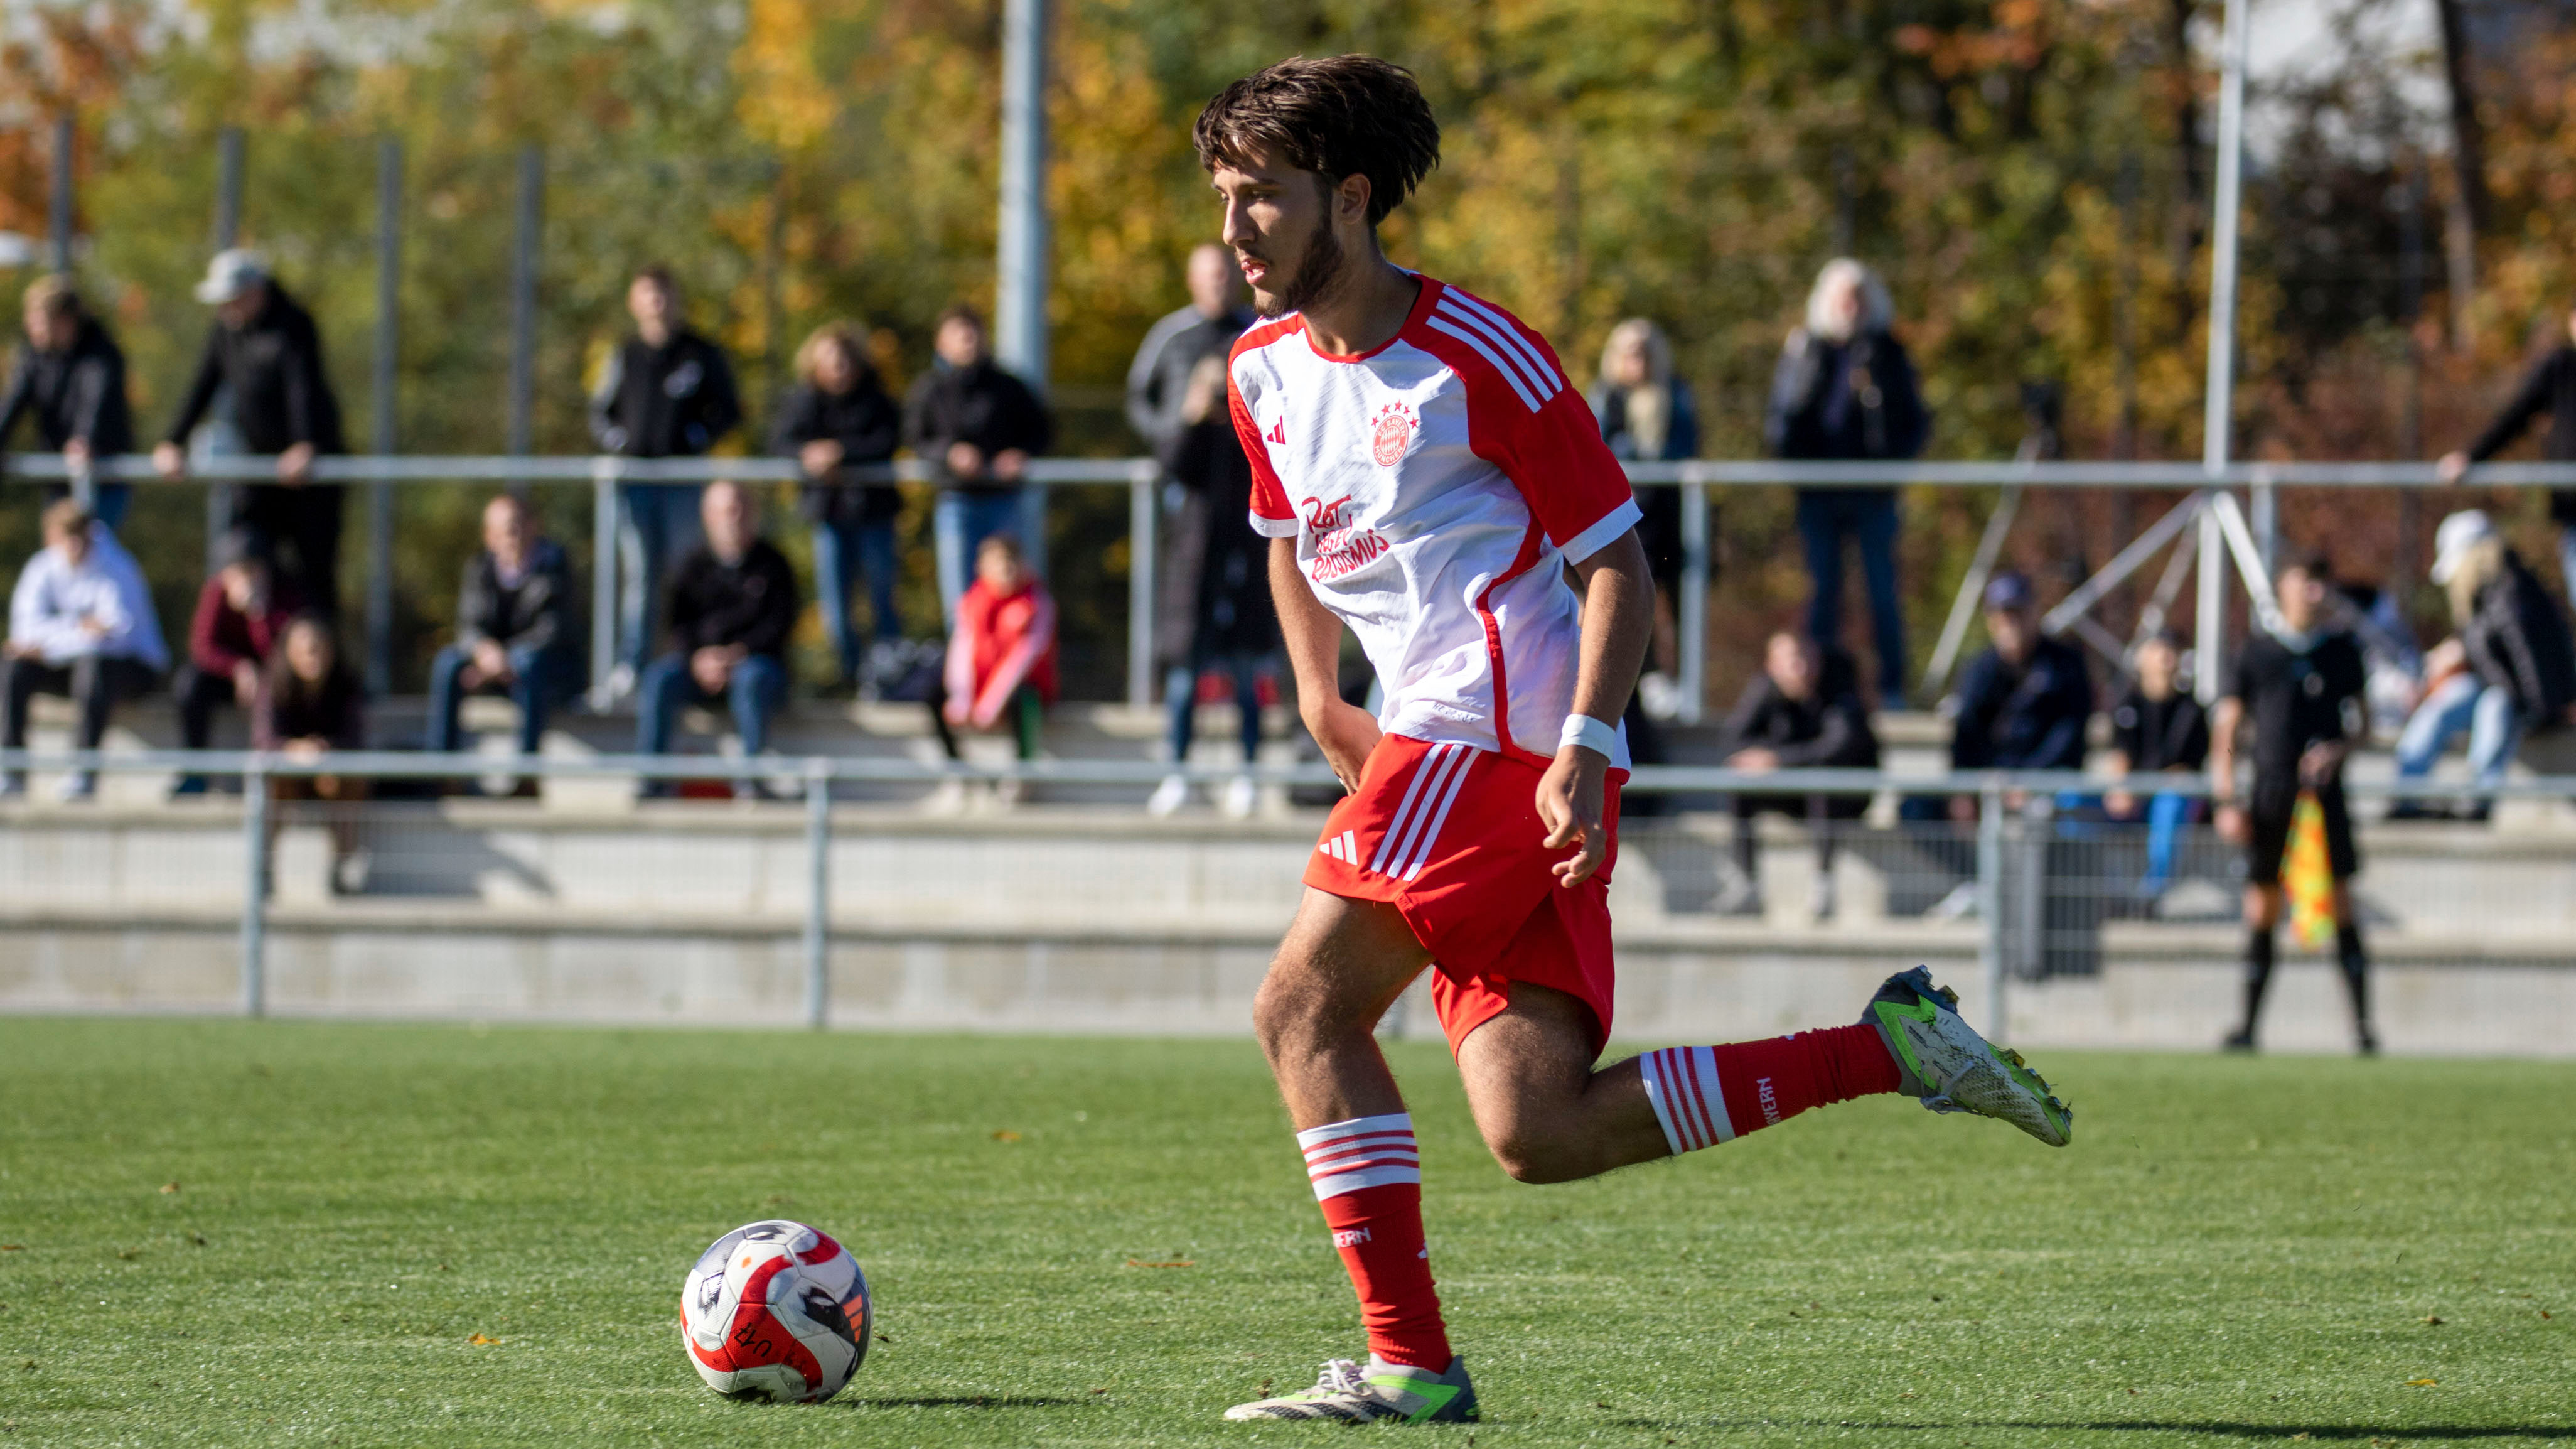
1319	271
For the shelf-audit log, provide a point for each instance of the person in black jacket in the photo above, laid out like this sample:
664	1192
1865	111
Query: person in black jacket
2024	702
2511	672
267	354
667	392
2156	729
71	377
838	416
977	425
514	627
1844	388
2550	387
1803	711
731	605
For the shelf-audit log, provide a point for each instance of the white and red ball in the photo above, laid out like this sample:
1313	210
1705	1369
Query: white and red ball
776	1310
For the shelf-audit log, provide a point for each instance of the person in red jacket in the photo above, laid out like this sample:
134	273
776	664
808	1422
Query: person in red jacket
1001	656
242	612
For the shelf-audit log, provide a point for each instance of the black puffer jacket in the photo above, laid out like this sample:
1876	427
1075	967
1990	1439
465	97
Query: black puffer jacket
867	425
1857	399
78	392
273	364
2550	387
1830	727
671	401
2520	640
982	405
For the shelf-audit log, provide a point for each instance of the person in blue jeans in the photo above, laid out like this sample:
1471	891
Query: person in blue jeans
731	605
514	628
2510	671
1844	389
978	426
2156	729
839	416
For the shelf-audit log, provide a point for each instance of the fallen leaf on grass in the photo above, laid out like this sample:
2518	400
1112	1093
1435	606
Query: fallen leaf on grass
1006	1135
13	1247
2544	1313
2433	1318
169	1187
2421	1383
2300	1437
1100	1391
1163	1263
481	1339
197	1238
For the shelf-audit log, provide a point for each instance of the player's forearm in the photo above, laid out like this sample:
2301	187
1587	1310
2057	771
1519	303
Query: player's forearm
1310	633
2222	747
1618	625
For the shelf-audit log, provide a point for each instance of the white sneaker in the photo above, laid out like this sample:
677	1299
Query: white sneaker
948	797
75	787
1008	792
1169	796
1351	1394
1660	696
349	873
1242	797
1944	1062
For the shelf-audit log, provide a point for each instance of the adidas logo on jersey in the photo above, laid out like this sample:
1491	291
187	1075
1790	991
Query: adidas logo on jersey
1278	432
1344	847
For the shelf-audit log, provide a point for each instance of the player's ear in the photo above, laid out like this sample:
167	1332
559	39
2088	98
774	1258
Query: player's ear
1351	199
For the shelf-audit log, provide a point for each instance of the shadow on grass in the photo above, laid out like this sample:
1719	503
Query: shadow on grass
968	1401
2312	1432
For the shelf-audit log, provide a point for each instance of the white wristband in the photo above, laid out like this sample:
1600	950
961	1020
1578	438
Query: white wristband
1582	729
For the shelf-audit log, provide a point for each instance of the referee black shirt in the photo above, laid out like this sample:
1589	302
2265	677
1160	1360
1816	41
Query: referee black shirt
2296	698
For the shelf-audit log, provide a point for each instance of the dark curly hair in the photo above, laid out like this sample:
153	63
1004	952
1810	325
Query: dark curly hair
1344	115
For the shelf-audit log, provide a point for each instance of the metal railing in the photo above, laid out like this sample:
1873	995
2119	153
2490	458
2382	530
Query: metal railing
1142	476
2008	851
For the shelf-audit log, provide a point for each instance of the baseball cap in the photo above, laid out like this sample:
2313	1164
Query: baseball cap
2007	590
230	274
2452	541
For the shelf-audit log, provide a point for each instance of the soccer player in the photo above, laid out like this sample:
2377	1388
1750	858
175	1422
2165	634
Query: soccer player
1428	476
2300	691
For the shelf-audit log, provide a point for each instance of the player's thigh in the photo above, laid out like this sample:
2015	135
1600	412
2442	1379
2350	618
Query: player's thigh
1342	963
1528	1068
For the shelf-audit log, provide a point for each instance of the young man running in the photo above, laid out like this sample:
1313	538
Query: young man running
1428	476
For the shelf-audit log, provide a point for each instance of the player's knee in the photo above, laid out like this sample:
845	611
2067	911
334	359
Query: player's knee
1292	1012
1533	1156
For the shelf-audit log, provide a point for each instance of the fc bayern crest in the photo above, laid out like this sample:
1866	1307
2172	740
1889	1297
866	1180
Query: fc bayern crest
1393	430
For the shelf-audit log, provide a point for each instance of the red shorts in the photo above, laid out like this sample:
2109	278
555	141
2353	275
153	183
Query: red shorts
1450	836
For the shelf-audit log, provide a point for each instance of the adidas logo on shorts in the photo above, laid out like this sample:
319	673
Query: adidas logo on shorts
1344	847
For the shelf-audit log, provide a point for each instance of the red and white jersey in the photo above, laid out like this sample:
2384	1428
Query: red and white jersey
1437	485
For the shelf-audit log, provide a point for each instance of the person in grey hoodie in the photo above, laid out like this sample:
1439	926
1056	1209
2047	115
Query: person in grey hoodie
80	624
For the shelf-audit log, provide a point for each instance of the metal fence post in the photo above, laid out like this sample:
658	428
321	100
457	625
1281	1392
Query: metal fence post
1693	623
603	579
818	893
59	222
1990	904
1143	502
380	493
254	919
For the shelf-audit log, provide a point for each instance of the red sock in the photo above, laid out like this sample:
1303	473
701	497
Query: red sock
1368	1177
1707	1095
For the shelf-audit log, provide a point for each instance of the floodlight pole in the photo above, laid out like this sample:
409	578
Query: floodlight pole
1020	293
2210	648
59	223
380	494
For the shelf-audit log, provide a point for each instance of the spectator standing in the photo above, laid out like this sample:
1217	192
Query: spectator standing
978	426
840	416
1803	711
667	392
1647	416
2156	729
311	705
2550	387
1158	380
265	354
514	628
242	613
71	377
1844	389
2515	670
80	624
732	605
1001	656
2299	693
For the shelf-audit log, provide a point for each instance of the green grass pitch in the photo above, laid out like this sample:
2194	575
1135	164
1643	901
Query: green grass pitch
294	1233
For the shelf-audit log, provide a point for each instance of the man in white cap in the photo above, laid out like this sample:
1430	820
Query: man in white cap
265	350
2510	671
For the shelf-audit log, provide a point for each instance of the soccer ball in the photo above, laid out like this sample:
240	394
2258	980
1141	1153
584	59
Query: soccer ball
775	1310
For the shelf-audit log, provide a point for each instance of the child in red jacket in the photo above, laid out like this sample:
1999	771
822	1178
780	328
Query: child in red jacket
1001	655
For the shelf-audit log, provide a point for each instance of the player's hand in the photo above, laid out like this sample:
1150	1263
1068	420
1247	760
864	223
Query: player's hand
1347	734
1569	804
169	461
2453	467
2320	764
2232	826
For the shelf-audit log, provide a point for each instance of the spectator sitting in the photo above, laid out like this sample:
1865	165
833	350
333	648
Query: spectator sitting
839	415
2157	729
1803	711
241	614
72	377
514	628
1215	609
2024	702
731	605
311	705
977	424
1646	416
2550	387
1001	656
2519	671
667	392
266	354
80	624
1844	389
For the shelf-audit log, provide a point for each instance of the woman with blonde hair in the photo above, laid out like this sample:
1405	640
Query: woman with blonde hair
1844	389
1646	417
838	416
2510	670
